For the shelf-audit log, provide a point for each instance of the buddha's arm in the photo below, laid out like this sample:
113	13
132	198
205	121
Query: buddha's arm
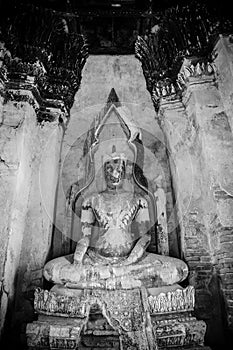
143	220
138	250
87	220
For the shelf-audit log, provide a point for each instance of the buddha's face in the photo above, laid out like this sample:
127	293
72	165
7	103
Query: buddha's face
114	171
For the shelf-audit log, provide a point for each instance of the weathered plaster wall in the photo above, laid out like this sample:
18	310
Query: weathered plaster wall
29	169
217	167
14	193
44	154
100	75
223	53
200	141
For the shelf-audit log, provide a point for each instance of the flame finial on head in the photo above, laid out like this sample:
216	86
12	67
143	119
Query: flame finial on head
114	155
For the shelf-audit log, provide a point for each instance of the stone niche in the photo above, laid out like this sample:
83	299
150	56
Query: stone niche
150	310
123	74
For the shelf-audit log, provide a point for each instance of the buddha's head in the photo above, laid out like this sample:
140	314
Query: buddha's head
114	172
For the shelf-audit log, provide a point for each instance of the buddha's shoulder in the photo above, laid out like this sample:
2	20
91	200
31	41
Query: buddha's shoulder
91	199
136	199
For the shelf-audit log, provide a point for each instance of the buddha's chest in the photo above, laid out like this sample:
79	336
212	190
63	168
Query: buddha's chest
115	210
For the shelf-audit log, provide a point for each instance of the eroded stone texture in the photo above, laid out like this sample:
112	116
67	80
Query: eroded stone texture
217	145
62	319
44	147
201	146
14	194
29	168
223	193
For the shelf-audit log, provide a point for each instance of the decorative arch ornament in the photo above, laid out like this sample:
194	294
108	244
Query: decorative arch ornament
125	137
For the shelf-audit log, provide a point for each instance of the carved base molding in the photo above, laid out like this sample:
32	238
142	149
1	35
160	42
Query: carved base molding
49	333
135	318
180	331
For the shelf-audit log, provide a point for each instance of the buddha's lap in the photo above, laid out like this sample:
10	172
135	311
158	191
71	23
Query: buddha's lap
150	265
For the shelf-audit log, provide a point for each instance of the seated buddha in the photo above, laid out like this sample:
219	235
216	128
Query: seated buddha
111	253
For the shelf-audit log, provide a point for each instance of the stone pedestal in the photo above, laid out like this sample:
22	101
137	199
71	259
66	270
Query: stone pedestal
159	318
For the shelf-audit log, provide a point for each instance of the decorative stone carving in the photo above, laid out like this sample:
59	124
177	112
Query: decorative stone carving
51	60
170	315
43	335
174	301
162	50
49	303
186	331
124	310
195	68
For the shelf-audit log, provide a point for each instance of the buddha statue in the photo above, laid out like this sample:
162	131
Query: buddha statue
111	253
113	278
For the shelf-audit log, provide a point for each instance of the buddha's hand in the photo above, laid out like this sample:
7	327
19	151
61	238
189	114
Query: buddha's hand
77	262
78	257
80	250
138	251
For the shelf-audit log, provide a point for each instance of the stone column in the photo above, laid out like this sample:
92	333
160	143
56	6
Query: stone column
203	101
206	134
29	169
44	146
183	144
12	195
200	150
37	101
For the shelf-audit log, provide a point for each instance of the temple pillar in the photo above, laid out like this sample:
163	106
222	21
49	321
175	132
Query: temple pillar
184	155
38	89
203	101
223	54
13	195
201	158
29	168
200	146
